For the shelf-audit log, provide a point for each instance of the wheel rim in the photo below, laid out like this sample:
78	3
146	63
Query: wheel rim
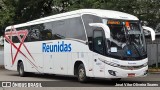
21	71
81	74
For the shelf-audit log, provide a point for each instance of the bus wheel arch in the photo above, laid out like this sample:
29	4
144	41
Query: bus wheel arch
80	71
18	63
76	65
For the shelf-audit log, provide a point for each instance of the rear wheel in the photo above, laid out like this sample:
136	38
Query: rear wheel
21	71
82	73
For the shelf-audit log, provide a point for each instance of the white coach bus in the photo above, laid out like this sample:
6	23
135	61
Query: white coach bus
85	43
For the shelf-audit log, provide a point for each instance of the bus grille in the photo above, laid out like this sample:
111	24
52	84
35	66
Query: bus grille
131	67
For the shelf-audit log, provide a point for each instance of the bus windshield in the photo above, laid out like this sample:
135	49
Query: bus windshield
127	40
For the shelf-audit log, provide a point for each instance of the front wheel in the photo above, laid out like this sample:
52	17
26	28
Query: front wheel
82	73
21	69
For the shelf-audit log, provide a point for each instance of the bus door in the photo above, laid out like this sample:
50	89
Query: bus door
98	48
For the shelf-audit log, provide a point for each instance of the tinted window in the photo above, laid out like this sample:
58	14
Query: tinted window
15	39
90	19
68	28
22	35
35	32
15	36
58	29
98	43
75	29
46	31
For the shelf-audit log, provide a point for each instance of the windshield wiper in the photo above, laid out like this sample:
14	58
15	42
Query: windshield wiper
135	46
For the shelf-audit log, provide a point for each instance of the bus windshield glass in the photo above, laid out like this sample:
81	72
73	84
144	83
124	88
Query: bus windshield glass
127	40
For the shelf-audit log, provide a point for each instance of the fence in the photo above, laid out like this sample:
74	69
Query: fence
153	52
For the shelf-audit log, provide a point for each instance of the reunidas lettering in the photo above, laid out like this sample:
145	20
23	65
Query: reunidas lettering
59	47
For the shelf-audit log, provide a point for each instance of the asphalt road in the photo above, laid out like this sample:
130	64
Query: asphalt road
71	83
6	75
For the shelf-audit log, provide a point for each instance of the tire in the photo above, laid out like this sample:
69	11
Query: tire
82	74
21	71
115	79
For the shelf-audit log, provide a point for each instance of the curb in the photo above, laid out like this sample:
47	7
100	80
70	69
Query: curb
154	70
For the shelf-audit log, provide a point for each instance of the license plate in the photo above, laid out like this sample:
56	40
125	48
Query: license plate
131	74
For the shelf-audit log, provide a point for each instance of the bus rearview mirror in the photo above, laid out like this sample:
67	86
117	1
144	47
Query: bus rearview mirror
150	30
105	28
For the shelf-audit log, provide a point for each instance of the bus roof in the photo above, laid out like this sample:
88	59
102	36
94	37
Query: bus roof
98	12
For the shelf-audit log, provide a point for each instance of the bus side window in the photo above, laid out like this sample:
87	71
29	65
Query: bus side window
87	18
24	28
46	35
58	31
15	39
34	35
58	36
35	32
98	42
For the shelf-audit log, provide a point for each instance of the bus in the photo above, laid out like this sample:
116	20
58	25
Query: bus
1	40
84	43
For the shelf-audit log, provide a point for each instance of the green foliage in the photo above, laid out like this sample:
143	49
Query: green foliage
20	11
32	9
6	14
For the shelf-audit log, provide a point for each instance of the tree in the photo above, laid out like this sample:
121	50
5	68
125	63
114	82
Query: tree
146	10
6	14
32	9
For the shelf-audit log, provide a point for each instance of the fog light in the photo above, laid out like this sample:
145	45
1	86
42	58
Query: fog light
146	72
111	72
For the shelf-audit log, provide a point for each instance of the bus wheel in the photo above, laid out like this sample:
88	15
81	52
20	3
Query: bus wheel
21	69
82	73
116	79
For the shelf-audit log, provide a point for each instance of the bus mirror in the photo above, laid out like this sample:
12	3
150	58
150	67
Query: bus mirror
105	28
150	30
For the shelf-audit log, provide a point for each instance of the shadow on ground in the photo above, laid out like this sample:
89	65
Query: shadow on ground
70	81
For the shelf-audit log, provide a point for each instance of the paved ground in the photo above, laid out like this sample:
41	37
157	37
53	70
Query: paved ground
94	84
6	75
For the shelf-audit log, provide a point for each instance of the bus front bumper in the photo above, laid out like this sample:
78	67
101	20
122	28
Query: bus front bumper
115	72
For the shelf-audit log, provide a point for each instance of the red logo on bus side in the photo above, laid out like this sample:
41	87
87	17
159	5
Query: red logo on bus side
21	34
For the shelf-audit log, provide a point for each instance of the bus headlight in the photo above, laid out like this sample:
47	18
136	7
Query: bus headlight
114	64
109	63
111	72
145	64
